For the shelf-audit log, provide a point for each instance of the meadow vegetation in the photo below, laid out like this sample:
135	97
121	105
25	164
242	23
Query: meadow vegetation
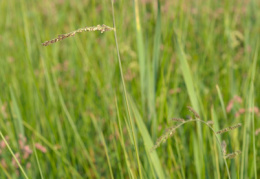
114	104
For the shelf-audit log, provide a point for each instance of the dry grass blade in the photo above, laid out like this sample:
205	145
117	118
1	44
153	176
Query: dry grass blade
233	155
101	28
229	128
193	112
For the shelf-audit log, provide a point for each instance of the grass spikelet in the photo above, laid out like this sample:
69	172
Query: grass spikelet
229	128
193	112
101	28
210	122
232	155
168	133
178	119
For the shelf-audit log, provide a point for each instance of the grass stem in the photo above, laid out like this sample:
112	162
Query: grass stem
125	93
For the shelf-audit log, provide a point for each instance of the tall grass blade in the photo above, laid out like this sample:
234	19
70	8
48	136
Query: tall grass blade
18	121
154	76
147	141
156	45
221	101
186	73
141	53
122	141
37	160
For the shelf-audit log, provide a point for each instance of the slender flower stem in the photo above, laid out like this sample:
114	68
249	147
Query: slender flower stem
125	94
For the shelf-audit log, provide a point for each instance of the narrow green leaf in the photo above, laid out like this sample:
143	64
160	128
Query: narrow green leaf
147	141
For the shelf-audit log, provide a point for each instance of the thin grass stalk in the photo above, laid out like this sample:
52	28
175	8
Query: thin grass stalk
173	158
125	94
147	140
180	158
5	172
37	160
254	145
102	138
221	101
216	159
12	153
216	126
153	80
122	141
252	106
143	64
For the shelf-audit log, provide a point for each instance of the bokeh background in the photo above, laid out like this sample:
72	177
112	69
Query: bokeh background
62	108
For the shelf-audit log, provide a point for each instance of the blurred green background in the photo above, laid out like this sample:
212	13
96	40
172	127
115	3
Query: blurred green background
63	111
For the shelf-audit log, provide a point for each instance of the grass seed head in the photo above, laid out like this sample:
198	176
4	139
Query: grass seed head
229	128
102	28
167	134
178	119
232	155
193	112
210	122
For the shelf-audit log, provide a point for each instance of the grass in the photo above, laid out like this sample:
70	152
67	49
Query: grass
97	103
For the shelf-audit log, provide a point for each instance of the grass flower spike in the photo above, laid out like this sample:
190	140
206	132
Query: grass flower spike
102	28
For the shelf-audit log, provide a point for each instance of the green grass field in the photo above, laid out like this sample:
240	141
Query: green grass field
94	105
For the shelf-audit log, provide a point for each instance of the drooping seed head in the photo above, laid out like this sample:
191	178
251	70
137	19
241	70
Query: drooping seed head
232	155
229	128
193	112
100	28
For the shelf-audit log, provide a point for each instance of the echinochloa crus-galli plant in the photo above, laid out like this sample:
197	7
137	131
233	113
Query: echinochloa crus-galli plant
196	118
101	28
